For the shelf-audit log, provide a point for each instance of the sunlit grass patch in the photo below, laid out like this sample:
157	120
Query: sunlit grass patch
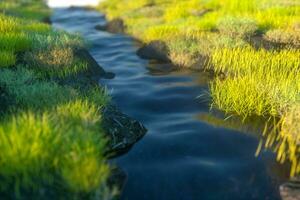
17	42
55	61
277	17
37	28
288	138
33	10
8	24
184	9
234	6
52	148
259	83
160	32
204	14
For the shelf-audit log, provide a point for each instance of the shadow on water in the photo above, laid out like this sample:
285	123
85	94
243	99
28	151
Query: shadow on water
182	157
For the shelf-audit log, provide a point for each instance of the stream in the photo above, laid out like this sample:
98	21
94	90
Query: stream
181	157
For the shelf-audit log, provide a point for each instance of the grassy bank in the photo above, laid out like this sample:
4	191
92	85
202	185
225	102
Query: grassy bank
51	140
253	44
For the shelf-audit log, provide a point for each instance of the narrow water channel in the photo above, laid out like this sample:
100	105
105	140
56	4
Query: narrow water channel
181	157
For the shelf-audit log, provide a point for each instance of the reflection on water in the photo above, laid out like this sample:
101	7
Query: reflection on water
269	133
182	157
251	125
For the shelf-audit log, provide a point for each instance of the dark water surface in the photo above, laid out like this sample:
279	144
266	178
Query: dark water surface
180	158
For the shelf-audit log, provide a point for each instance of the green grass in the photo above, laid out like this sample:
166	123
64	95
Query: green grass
56	147
17	42
237	27
56	61
210	23
260	82
7	58
190	14
31	9
52	144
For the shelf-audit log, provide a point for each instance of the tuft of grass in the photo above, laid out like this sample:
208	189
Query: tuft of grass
288	37
55	61
289	138
31	93
34	28
237	27
8	24
53	148
17	42
260	82
7	58
32	9
160	32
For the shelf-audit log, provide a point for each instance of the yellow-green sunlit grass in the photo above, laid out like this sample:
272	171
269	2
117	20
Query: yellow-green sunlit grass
182	9
160	32
17	42
288	148
278	17
204	14
51	137
8	24
283	138
37	28
54	147
260	82
63	135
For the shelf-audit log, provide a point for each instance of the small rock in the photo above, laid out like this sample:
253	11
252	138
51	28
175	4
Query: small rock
101	27
201	12
47	20
155	50
117	179
95	71
200	63
122	130
290	190
116	25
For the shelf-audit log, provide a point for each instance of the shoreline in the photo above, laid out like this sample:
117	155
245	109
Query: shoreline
51	86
